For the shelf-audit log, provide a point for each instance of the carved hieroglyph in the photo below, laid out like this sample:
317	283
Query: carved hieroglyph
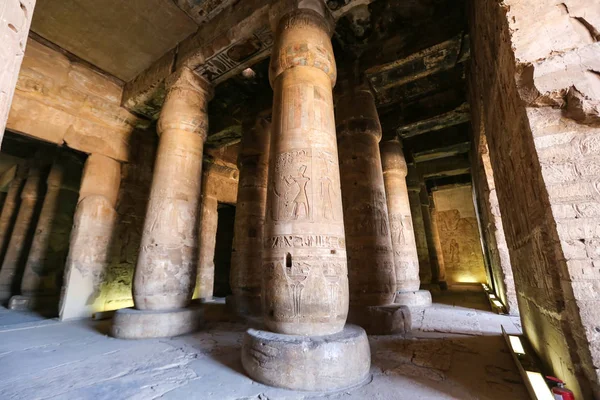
305	287
22	233
46	260
246	258
91	238
401	228
15	19
371	272
165	273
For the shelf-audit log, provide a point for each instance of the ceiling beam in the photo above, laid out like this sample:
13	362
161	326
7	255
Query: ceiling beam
441	57
459	115
442	152
443	167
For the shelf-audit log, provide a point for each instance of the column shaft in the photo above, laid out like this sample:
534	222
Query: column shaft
165	273
22	234
435	235
10	208
403	235
209	220
371	272
91	238
46	260
246	258
305	288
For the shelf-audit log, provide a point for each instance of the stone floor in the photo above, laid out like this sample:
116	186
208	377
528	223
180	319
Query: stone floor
455	352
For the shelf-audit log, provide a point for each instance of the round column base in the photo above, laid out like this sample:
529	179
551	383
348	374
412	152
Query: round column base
309	363
131	323
381	320
45	305
245	306
417	298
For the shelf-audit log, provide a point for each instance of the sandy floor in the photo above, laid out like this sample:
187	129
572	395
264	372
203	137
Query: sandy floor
455	352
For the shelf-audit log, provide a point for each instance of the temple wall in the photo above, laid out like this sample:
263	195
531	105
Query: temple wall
60	100
535	71
459	235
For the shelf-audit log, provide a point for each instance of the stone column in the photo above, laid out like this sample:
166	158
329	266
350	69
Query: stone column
440	273
42	279
246	259
165	273
406	258
15	19
22	234
425	274
11	207
305	284
208	223
372	278
91	236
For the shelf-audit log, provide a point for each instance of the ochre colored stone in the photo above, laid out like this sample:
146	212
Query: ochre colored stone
91	237
246	258
165	273
208	222
305	287
371	274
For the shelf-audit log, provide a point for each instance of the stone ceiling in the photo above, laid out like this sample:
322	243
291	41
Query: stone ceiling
121	37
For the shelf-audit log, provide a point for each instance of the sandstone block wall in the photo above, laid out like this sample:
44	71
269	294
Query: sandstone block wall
535	71
459	235
15	19
60	100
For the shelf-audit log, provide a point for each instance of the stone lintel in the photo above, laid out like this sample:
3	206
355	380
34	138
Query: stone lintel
442	152
449	166
457	116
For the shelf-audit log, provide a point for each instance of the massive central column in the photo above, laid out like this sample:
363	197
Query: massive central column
165	273
305	283
246	258
403	236
372	277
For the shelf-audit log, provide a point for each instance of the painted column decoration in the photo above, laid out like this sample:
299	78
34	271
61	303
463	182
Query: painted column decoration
165	274
371	272
43	276
406	258
91	238
13	264
246	258
306	345
15	20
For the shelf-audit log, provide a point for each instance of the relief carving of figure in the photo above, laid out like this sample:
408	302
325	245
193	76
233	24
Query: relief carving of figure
454	251
381	220
328	191
301	200
291	186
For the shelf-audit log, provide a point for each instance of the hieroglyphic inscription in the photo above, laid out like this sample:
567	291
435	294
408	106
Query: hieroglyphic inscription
292	186
329	185
297	241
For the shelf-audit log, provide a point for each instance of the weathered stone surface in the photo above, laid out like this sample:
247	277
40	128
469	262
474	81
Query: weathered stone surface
246	258
15	19
425	274
61	100
305	287
43	275
416	298
459	234
91	235
166	267
406	260
314	363
371	272
538	103
130	323
10	207
436	244
23	230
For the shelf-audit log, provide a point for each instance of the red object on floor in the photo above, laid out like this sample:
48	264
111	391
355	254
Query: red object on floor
559	391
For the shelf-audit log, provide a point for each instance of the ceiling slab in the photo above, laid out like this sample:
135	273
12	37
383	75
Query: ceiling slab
121	37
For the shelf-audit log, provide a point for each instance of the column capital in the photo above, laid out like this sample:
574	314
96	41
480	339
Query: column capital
303	40
356	114
392	157
186	103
